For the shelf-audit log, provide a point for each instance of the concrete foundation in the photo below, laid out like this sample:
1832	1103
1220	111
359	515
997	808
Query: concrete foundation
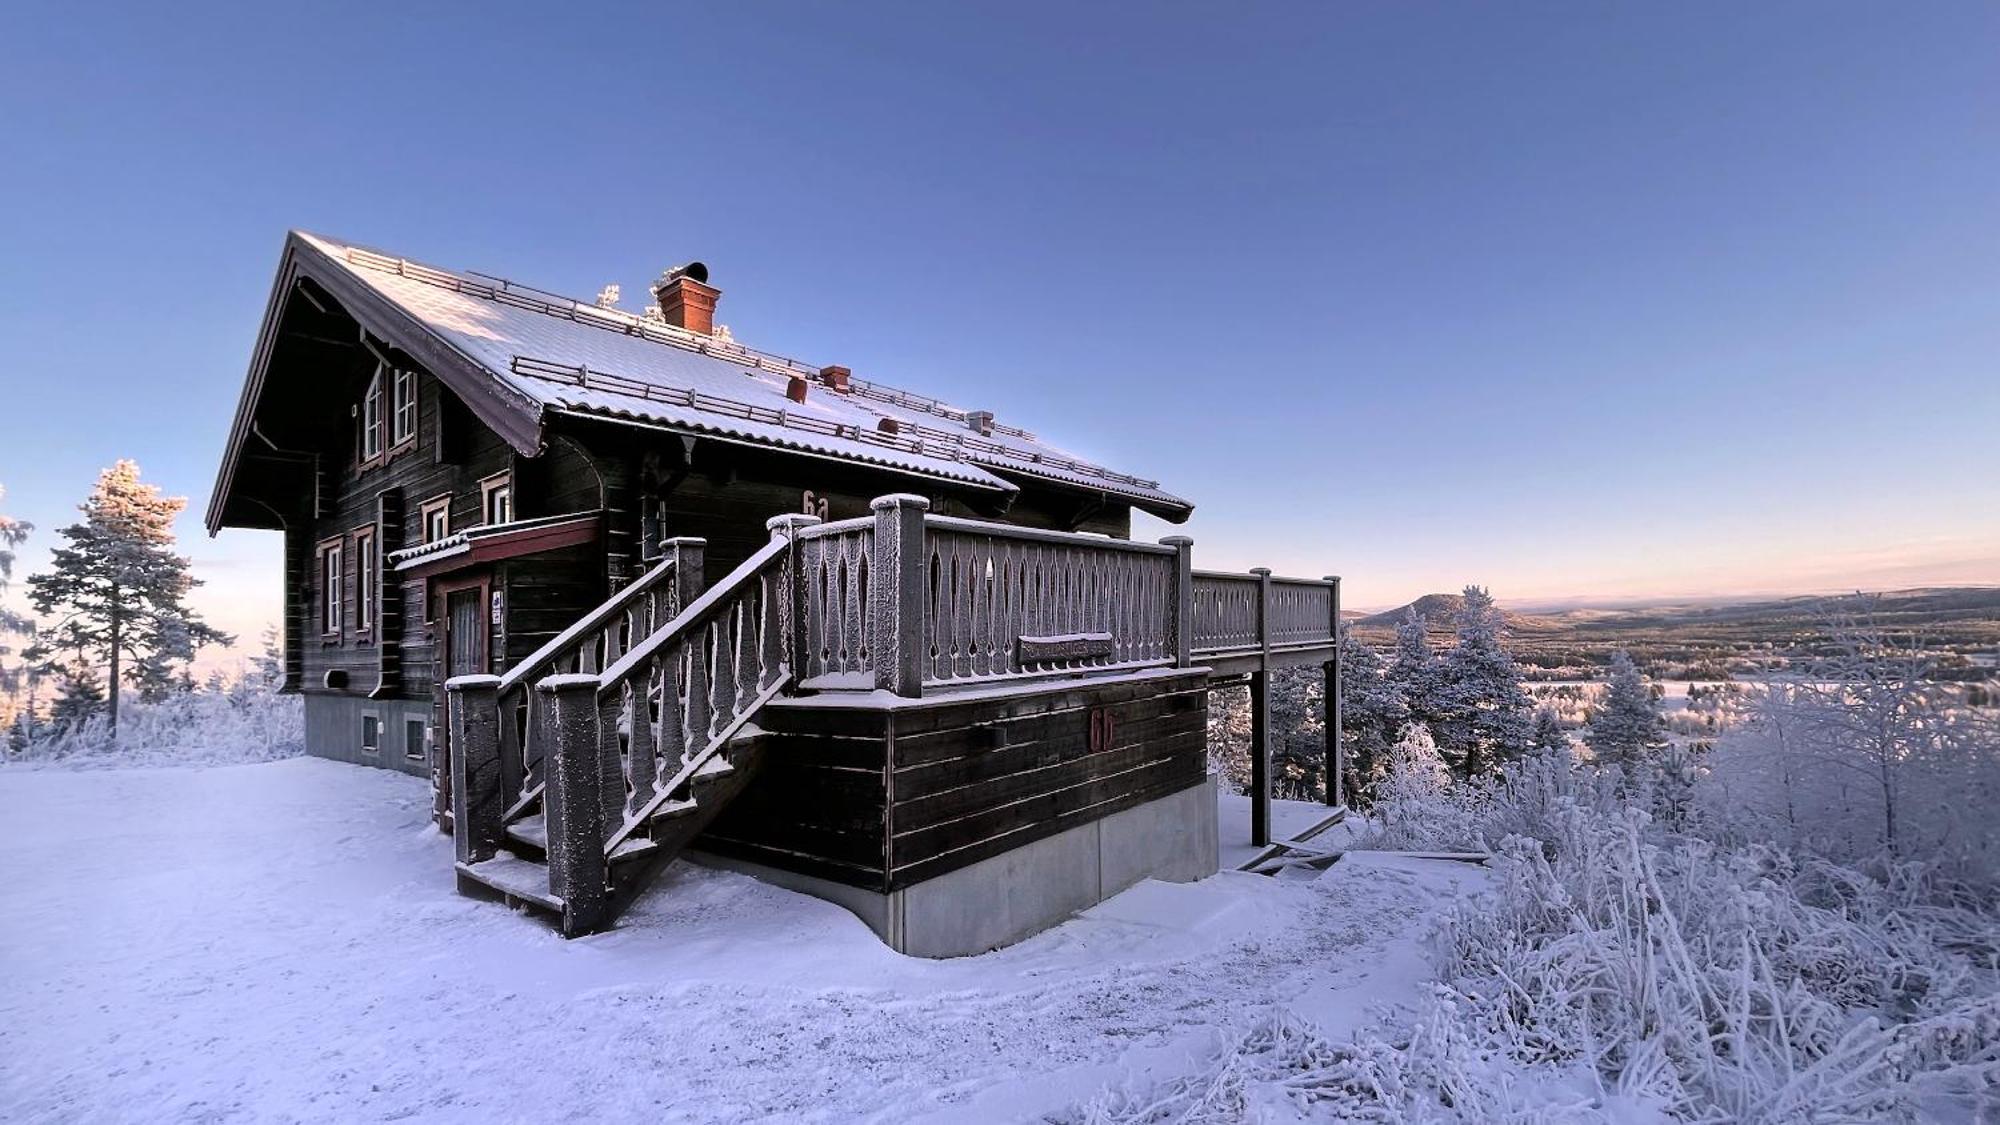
335	729
1019	893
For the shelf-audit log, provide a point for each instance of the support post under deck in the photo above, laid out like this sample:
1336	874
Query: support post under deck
1336	765
1260	717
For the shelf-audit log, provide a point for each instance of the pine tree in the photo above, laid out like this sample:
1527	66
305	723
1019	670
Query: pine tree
1627	729
13	533
268	666
1298	734
78	700
119	590
1371	711
1416	672
1487	715
1548	733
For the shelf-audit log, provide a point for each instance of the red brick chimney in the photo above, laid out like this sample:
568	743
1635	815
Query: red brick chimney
686	299
835	377
796	389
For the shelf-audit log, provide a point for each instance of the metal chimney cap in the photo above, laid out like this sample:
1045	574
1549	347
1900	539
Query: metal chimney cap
693	271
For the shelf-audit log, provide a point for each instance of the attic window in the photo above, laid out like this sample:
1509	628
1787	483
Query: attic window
403	417
371	419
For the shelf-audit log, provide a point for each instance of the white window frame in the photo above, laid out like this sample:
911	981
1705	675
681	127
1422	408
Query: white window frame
439	506
333	580
371	418
501	487
365	578
402	408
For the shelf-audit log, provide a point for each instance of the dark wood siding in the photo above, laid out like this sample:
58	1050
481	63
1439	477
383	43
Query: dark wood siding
356	499
883	800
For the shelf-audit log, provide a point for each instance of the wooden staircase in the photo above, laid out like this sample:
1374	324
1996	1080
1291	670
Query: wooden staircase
578	776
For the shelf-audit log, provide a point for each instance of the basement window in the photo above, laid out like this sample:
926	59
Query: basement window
416	733
371	733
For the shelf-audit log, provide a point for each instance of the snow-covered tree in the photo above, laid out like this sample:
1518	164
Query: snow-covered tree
267	668
1417	673
1627	729
13	533
1298	734
118	592
1486	718
1547	733
1371	710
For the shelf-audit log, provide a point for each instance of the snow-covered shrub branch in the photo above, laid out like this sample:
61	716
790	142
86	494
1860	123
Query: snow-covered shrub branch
244	723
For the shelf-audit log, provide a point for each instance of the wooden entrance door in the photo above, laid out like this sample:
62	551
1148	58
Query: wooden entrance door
464	632
461	651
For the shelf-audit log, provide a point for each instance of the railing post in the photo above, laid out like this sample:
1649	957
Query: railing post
1336	742
1260	717
896	593
572	802
478	789
790	610
1180	636
689	554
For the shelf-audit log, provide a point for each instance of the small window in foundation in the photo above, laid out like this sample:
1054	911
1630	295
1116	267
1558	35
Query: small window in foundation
371	734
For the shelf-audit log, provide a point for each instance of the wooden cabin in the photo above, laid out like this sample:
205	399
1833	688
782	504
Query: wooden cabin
625	589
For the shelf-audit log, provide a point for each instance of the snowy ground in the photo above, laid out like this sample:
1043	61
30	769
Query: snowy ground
282	941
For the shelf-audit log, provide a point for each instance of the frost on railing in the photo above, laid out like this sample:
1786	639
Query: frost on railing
1004	601
595	642
1300	611
1239	612
834	561
1225	611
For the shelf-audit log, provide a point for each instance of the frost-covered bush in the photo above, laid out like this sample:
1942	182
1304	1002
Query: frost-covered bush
1739	984
225	727
1419	805
1625	967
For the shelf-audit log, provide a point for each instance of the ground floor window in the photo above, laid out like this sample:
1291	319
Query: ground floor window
415	733
371	734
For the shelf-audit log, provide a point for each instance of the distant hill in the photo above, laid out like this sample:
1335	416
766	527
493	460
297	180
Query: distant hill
1441	612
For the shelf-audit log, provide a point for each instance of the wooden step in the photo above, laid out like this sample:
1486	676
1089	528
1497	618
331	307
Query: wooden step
532	833
520	881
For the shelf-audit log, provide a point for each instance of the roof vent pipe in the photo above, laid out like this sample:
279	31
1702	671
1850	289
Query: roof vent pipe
796	389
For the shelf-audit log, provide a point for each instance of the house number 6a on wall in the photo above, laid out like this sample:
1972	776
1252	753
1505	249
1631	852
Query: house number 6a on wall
1103	729
813	505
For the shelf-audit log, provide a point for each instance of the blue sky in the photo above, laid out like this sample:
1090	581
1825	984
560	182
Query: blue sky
1591	300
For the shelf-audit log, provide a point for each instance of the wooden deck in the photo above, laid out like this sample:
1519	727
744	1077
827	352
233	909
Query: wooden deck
636	707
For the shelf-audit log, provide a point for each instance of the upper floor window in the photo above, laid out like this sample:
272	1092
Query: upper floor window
332	574
403	404
364	570
371	419
496	499
436	519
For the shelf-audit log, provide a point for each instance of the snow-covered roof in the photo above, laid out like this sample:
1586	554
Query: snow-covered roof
570	355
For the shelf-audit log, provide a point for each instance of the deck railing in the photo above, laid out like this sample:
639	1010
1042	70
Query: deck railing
908	599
